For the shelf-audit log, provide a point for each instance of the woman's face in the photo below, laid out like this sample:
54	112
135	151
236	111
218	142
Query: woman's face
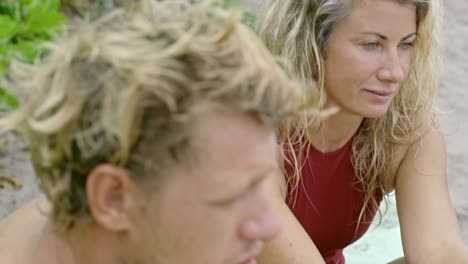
368	56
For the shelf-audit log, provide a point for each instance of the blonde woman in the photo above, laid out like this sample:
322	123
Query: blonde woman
376	62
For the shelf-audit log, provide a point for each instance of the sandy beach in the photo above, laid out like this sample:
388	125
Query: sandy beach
382	243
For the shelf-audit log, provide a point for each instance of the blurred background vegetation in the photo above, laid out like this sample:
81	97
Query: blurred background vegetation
26	24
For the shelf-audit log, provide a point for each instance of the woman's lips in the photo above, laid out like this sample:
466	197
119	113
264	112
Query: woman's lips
250	261
380	96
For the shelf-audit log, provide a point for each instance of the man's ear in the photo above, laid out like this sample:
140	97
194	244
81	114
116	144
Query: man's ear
110	191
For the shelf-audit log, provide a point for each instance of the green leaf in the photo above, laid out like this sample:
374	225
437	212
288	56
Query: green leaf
4	60
6	9
2	70
46	22
249	19
42	16
7	27
27	50
47	5
27	2
7	100
24	26
33	7
231	3
3	53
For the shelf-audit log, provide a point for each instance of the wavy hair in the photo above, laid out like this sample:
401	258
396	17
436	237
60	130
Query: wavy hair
125	89
298	30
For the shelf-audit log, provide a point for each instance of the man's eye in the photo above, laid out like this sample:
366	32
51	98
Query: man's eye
233	199
225	203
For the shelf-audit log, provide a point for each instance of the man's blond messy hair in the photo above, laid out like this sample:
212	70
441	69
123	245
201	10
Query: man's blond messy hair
124	89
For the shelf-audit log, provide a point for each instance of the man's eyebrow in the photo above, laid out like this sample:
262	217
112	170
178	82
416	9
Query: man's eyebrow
257	177
261	176
385	37
240	189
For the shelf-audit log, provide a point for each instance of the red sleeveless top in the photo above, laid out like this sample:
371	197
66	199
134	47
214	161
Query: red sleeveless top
328	202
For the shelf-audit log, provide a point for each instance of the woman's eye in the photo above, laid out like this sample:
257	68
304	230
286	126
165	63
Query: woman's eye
371	45
406	45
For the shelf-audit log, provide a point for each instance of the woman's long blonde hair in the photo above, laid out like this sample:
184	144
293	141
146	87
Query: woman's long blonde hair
298	30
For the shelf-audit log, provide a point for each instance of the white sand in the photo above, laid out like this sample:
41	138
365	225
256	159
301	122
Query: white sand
382	243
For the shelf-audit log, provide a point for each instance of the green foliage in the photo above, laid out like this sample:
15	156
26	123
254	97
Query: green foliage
88	10
24	26
248	17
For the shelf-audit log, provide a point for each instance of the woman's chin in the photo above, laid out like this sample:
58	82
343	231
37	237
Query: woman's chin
374	112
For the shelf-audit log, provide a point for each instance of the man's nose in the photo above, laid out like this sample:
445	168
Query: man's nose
264	224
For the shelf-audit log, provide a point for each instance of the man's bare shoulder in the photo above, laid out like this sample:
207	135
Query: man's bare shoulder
20	231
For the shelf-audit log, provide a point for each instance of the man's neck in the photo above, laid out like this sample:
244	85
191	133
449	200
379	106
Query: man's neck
71	247
51	248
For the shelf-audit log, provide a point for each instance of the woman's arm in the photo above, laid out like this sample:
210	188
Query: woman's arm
429	227
292	245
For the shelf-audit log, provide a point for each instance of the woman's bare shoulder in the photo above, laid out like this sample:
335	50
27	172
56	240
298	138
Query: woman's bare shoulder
427	131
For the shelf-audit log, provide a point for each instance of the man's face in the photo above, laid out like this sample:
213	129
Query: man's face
215	211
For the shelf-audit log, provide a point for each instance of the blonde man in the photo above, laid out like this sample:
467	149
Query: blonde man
151	134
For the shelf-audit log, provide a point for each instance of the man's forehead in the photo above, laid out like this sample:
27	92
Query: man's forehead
223	138
230	132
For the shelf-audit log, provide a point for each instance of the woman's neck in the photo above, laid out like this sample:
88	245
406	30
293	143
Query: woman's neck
335	131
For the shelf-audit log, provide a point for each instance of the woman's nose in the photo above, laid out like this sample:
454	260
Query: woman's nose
393	68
